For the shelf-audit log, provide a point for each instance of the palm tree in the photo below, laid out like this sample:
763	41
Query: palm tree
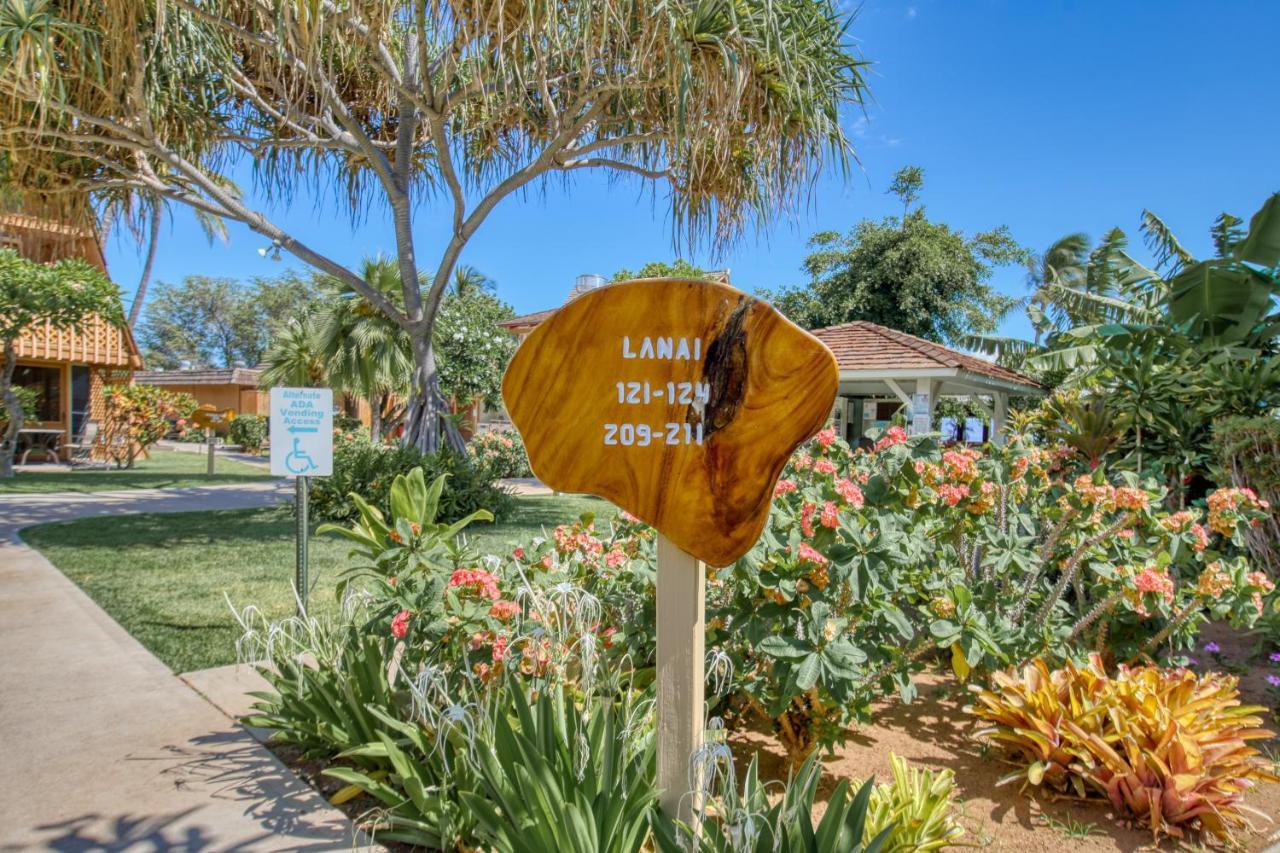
469	281
293	357
365	352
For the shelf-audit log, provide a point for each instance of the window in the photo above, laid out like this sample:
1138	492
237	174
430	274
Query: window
47	383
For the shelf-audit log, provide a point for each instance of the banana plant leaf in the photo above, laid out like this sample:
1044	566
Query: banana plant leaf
1261	245
1223	300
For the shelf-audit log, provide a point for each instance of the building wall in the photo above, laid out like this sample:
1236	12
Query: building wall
218	396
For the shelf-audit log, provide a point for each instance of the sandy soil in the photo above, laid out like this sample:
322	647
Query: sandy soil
933	732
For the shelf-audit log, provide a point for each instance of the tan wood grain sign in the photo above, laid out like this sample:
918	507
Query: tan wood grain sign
679	401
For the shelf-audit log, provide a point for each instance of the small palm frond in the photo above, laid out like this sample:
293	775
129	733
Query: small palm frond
1163	244
1227	230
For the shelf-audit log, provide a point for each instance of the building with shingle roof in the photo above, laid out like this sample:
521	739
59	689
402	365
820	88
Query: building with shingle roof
882	369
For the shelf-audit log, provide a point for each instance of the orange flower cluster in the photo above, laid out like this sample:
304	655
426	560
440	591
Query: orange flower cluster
1213	581
577	537
1225	507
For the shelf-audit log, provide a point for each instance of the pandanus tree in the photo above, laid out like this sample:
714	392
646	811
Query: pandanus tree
728	109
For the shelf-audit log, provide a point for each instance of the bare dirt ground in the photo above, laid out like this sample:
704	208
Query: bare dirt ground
933	732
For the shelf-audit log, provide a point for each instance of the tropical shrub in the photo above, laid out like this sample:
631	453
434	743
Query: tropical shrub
1248	457
1165	746
136	417
500	454
874	560
367	468
249	431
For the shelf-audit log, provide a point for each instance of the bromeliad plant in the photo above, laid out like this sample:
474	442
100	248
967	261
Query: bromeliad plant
1164	746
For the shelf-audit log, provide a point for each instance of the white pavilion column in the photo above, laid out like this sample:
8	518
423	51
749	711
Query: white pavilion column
1000	413
922	403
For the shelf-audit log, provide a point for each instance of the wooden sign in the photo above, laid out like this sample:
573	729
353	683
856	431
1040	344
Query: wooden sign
679	401
208	417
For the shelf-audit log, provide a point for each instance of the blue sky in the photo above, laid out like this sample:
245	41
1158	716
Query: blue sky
1049	117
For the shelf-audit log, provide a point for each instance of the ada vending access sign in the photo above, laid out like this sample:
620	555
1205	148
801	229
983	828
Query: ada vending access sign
302	432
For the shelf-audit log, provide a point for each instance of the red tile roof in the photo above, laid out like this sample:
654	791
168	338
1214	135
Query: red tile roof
861	345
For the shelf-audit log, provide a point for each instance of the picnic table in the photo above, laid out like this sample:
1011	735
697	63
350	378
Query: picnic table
44	438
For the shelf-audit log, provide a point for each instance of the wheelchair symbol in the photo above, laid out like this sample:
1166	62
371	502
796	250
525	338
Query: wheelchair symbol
298	461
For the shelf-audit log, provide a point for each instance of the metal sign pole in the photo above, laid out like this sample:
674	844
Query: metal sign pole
300	485
208	437
681	594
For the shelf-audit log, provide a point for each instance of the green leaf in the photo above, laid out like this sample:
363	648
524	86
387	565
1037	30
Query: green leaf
807	673
1261	245
784	647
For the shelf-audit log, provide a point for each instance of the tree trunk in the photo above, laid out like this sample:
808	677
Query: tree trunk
375	416
135	310
13	406
426	425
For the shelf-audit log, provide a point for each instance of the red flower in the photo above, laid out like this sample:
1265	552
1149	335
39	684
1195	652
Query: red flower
400	624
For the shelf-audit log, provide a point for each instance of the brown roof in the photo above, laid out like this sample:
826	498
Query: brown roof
218	376
861	345
527	319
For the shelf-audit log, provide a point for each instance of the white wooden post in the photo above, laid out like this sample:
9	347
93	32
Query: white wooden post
208	437
998	417
681	594
923	422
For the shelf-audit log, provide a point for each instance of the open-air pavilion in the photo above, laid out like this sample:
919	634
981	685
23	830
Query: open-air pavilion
882	369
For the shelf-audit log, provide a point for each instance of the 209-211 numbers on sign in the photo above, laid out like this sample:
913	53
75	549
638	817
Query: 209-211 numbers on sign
643	435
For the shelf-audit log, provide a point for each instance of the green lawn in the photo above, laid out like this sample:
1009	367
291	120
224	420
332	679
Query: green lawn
163	576
164	470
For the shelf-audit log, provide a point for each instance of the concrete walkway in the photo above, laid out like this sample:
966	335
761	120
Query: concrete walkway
103	747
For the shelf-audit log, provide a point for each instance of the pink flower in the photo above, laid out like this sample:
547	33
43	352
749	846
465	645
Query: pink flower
547	562
615	558
824	466
806	518
518	553
827	437
400	624
830	515
809	554
504	611
952	494
607	636
499	648
479	581
1202	537
850	493
893	435
1154	580
784	487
